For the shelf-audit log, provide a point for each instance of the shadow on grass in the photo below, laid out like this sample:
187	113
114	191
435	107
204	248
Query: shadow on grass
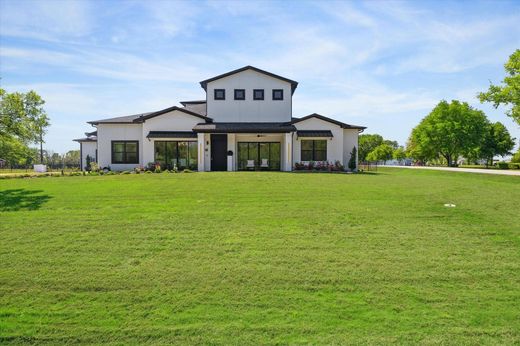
21	199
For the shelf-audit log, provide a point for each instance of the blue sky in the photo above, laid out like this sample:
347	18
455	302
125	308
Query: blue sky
380	64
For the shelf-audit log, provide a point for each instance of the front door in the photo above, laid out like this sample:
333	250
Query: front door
218	152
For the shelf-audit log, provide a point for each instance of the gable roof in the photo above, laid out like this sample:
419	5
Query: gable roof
141	117
166	110
324	118
293	83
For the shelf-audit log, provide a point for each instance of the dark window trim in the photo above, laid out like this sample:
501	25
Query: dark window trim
167	165
215	94
314	150
242	98
274	92
125	161
257	160
258	98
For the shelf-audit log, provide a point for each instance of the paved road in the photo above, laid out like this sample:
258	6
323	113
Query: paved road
468	170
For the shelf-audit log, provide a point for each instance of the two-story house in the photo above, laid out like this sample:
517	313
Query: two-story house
245	123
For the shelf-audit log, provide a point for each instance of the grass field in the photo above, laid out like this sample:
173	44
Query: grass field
261	258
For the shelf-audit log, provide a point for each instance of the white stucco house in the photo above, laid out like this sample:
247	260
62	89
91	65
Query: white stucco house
245	123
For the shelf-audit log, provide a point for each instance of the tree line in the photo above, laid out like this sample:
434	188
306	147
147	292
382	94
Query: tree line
455	129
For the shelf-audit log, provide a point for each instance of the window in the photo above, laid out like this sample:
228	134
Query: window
180	154
125	151
314	150
220	94
265	155
240	94
278	94
258	94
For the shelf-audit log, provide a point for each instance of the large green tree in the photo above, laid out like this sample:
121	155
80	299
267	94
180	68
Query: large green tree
382	152
449	131
22	121
496	142
367	143
509	92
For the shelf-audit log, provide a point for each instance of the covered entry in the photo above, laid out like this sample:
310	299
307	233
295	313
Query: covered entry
259	156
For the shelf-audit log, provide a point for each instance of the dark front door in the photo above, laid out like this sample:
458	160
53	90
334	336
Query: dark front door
218	152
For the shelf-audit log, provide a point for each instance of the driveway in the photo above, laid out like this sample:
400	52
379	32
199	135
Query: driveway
467	170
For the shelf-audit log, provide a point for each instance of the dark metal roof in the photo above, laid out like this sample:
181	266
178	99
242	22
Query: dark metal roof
195	110
89	139
314	133
166	110
90	134
171	134
244	128
324	118
293	83
127	119
195	102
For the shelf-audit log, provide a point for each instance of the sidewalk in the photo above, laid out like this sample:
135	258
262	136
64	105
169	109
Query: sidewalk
467	170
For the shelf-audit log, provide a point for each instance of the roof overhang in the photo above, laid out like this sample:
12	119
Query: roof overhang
294	84
244	128
167	110
171	134
332	121
314	133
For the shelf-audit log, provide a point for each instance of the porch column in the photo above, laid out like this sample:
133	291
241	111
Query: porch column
231	147
287	151
201	146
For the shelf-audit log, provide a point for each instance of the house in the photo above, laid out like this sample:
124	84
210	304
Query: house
245	123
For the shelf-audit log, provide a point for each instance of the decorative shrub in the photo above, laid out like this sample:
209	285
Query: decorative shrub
502	165
187	171
513	165
125	172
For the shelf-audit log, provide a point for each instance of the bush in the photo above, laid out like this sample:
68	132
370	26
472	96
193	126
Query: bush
148	172
125	172
502	165
187	171
514	165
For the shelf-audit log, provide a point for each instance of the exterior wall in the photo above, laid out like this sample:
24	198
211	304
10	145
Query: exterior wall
171	121
116	132
335	146
87	148
350	140
249	110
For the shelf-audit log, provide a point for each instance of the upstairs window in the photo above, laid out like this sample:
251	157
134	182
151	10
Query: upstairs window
314	150
125	151
220	94
258	94
277	94
240	94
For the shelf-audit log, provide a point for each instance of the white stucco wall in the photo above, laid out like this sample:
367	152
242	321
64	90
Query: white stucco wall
171	121
117	132
334	146
249	110
88	148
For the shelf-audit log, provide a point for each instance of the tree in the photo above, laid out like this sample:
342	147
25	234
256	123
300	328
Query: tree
22	120
509	92
450	130
399	154
71	158
367	143
352	160
382	152
496	142
516	157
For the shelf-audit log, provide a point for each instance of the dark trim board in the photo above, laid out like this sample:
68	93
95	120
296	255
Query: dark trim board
171	134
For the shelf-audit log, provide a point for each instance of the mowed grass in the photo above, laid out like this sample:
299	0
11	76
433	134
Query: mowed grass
261	258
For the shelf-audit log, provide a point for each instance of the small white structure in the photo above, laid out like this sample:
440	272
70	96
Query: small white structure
245	123
40	168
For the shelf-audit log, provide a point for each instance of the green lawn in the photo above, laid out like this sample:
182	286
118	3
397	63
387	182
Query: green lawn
261	258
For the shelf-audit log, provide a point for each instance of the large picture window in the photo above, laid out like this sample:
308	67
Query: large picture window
180	154
314	150
259	156
125	152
